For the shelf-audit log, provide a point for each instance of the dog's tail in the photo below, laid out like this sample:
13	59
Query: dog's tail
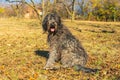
85	69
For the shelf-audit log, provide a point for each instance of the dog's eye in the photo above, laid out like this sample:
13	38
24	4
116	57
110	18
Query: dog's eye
47	22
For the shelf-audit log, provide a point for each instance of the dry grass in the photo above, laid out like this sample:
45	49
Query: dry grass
21	38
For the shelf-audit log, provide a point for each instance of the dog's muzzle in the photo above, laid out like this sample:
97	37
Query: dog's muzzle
52	27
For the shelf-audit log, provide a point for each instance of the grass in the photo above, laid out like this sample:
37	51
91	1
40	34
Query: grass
20	39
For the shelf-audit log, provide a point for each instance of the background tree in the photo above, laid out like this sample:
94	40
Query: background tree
70	8
31	4
2	10
17	7
100	10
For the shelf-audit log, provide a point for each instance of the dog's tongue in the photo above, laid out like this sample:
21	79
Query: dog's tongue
52	29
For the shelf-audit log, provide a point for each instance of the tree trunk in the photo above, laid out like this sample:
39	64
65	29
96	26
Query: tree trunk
43	9
73	16
73	11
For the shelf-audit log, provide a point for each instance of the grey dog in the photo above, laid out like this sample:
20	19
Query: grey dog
64	47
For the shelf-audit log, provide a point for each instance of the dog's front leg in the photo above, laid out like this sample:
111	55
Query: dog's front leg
51	60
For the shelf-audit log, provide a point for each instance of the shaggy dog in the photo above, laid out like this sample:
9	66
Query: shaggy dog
64	47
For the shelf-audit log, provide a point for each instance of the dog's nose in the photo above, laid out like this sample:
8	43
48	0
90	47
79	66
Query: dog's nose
52	24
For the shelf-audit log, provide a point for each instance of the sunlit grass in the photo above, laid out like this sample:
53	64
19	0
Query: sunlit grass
20	38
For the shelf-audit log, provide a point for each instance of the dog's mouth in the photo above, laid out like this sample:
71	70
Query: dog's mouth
52	29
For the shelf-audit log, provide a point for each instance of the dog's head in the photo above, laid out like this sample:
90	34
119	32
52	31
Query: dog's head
51	23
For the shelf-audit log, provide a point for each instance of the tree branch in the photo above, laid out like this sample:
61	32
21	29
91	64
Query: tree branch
68	10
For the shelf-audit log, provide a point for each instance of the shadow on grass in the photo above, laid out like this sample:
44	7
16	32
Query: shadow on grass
42	53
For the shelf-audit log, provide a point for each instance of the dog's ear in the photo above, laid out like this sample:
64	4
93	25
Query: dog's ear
44	23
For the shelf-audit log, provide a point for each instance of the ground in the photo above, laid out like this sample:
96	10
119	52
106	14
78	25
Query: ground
22	42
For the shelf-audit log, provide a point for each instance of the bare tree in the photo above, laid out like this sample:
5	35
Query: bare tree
33	6
17	7
70	7
30	4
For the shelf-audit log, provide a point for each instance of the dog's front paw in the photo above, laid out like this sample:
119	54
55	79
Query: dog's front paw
50	68
47	67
